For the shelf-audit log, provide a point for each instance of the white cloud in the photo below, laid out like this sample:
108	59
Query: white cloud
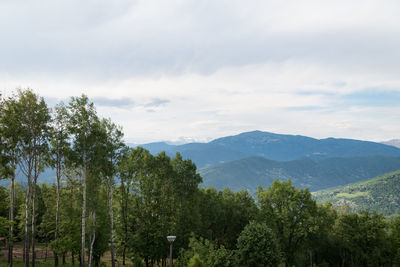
210	68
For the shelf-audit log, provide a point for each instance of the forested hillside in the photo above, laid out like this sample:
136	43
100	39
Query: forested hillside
305	173
380	194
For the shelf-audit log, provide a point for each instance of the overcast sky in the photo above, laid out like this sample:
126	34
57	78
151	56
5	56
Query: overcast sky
198	70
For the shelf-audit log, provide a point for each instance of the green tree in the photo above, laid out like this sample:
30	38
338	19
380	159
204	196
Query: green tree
71	204
395	237
209	254
59	151
113	153
224	214
10	137
288	212
363	238
322	245
186	197
34	122
124	200
82	118
196	261
257	246
154	199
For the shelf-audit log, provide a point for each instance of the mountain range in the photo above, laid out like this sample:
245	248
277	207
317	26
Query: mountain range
249	159
280	147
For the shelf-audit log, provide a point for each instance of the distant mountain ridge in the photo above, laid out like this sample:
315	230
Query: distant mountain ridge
280	147
380	194
320	174
300	158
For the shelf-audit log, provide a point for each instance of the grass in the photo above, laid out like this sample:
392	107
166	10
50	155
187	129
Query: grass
39	263
352	195
43	261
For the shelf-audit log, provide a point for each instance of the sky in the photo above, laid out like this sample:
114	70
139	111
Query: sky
189	70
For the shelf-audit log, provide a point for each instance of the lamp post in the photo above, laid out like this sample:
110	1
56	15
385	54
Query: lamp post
171	239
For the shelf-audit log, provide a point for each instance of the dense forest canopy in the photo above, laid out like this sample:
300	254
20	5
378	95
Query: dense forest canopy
111	198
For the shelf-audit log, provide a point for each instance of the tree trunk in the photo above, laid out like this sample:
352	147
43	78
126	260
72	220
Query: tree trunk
11	218
27	214
123	255
124	204
83	213
58	170
33	222
111	225
92	239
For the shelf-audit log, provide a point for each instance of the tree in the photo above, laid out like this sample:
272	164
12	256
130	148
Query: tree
82	118
363	238
288	212
34	122
10	137
124	202
395	237
209	254
196	261
113	152
59	151
224	214
186	199
322	244
257	246
154	199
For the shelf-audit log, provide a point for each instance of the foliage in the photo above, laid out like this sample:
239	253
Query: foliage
209	254
4	225
257	246
289	213
196	261
219	209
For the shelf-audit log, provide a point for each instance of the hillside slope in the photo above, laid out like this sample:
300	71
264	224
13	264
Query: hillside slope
381	194
315	174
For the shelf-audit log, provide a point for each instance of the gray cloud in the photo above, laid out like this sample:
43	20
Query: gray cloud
156	102
110	102
123	38
278	60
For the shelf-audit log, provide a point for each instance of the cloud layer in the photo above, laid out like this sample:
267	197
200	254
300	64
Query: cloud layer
202	69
